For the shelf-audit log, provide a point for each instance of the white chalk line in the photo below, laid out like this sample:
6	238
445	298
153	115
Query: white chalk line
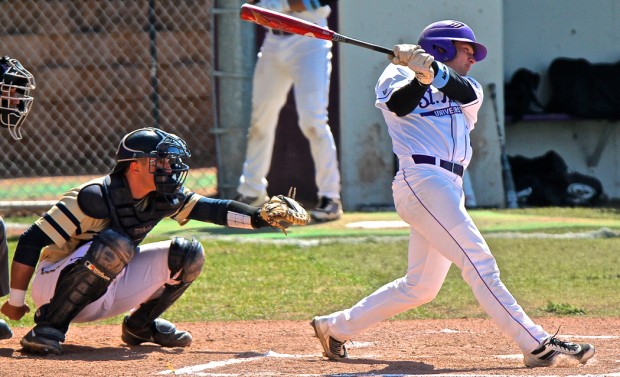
197	370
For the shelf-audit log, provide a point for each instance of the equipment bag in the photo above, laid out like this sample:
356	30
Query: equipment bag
547	181
584	90
520	94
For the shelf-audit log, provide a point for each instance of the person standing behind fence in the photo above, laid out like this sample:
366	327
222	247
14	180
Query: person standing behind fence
287	60
15	103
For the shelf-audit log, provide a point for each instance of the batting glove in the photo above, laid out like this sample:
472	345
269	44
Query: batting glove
418	60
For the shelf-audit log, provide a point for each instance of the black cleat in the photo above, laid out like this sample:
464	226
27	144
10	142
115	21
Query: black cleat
159	332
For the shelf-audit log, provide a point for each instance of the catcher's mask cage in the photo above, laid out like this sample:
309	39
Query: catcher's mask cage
15	99
437	38
165	152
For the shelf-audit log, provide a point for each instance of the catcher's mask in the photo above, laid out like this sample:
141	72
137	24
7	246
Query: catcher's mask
15	99
165	151
437	38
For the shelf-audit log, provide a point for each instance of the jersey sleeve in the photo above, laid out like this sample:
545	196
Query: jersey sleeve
66	221
182	216
393	78
470	110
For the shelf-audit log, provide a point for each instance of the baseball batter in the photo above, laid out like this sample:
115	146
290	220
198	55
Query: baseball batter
15	102
430	106
87	253
287	60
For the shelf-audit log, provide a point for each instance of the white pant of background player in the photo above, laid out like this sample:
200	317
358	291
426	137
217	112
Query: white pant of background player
431	200
305	64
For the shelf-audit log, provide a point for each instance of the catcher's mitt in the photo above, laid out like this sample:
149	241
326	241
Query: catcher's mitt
283	211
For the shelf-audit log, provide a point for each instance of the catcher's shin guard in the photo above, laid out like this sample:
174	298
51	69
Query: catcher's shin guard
78	285
185	259
143	325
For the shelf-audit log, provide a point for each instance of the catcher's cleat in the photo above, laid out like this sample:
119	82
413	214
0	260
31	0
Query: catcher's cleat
159	331
43	340
332	348
255	201
546	354
5	330
327	209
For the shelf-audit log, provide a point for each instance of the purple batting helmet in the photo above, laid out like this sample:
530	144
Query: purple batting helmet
441	34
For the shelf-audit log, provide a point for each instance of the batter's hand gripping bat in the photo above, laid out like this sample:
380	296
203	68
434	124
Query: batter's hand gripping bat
294	25
509	185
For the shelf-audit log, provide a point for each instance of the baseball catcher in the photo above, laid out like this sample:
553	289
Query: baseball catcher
87	256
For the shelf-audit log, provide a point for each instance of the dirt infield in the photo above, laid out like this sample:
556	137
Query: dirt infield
471	347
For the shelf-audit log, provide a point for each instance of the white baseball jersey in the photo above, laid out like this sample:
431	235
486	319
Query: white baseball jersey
430	199
437	127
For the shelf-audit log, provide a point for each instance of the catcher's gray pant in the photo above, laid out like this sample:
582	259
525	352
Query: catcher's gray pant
4	261
142	279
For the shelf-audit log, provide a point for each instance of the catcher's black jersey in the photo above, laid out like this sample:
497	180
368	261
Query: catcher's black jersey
68	225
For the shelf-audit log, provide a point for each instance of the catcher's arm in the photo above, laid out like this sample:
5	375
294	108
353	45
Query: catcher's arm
279	212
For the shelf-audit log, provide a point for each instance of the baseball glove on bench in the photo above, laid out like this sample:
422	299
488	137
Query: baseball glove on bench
283	211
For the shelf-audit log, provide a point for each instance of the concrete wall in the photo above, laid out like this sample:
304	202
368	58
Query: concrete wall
536	32
367	161
523	33
583	29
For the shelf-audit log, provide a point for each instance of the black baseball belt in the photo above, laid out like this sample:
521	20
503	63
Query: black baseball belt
432	160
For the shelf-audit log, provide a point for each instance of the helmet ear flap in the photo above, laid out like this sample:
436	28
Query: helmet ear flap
442	50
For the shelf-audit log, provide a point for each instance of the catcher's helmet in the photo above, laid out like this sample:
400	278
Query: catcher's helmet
436	39
165	151
15	99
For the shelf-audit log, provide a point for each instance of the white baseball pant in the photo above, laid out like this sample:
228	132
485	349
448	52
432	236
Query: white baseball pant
430	199
305	64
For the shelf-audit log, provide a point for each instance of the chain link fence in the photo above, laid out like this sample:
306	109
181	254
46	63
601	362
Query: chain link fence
104	68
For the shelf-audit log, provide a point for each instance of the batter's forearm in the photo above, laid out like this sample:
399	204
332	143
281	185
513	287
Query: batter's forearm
407	98
453	85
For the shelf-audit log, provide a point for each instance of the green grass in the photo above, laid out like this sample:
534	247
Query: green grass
295	281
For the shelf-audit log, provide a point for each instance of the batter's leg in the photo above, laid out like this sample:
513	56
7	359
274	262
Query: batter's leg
446	224
426	272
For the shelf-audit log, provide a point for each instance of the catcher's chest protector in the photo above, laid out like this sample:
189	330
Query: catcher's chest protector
136	220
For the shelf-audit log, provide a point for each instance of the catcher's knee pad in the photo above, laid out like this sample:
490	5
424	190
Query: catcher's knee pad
86	280
187	257
109	253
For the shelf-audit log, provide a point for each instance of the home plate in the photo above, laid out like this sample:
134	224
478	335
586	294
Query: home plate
378	224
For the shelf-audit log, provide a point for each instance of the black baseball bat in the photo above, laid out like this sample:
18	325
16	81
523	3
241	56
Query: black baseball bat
509	184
